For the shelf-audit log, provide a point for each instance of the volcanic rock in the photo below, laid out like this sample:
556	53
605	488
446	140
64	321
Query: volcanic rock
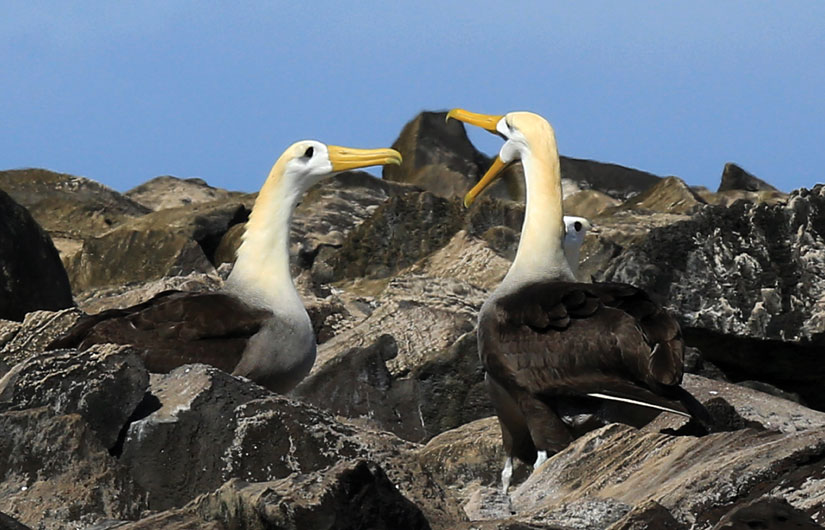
736	178
588	203
212	427
669	195
747	284
54	472
66	205
31	273
347	495
169	242
439	157
165	192
174	453
103	384
19	341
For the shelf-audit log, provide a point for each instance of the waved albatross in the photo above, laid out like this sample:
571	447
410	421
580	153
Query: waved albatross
575	228
256	326
551	347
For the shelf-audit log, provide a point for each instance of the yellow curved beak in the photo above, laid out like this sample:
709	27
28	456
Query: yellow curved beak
488	178
346	158
485	121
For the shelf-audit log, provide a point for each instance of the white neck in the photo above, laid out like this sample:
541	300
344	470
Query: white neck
261	273
540	254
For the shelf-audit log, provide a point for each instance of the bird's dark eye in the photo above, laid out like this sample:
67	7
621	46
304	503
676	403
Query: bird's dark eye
578	226
308	153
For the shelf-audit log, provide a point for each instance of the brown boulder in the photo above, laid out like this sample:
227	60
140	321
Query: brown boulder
439	157
165	192
669	195
55	473
103	384
736	178
588	203
347	495
66	205
169	242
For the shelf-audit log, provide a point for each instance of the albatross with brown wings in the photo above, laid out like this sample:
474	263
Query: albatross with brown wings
555	349
256	326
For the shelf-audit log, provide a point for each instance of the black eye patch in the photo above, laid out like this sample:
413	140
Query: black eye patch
578	226
309	152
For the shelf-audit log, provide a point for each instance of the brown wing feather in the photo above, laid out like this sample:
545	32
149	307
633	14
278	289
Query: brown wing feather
588	340
174	328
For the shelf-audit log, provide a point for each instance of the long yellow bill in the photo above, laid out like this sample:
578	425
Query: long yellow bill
346	158
488	178
485	121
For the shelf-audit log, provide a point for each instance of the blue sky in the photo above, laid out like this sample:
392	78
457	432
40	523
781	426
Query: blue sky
121	92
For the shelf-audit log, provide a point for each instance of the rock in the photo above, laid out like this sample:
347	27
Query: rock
401	231
67	206
165	192
588	203
616	232
726	198
55	473
9	523
469	456
169	242
439	157
175	452
649	515
612	179
429	395
469	258
95	300
410	227
746	283
736	178
669	195
737	407
227	250
210	429
766	512
347	495
696	479
103	384
19	341
31	273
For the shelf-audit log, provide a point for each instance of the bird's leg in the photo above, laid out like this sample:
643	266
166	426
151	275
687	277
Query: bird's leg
506	475
548	432
541	458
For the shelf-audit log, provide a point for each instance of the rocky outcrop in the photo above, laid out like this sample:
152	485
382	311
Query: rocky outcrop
736	178
439	157
170	242
348	495
753	272
31	274
165	192
588	203
55	473
103	384
669	195
392	277
66	205
617	181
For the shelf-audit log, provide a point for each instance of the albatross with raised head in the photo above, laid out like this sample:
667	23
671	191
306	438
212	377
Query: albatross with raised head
553	348
256	326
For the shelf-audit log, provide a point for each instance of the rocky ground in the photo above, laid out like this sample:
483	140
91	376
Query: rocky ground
393	428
